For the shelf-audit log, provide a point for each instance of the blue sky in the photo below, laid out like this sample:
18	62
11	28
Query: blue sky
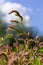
34	11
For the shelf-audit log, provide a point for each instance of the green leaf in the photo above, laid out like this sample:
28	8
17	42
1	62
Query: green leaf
14	49
8	37
37	61
1	44
1	39
33	63
40	50
2	62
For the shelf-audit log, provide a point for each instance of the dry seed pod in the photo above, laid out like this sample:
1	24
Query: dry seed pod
41	45
13	12
31	40
40	54
14	21
35	48
37	38
9	29
28	34
21	18
17	14
10	26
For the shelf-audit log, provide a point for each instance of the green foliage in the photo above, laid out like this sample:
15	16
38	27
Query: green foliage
14	49
37	61
2	62
40	50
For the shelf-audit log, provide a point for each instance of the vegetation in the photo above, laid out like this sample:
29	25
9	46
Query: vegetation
21	49
3	26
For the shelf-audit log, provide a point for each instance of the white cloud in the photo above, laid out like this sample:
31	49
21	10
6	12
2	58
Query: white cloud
8	6
1	2
27	20
27	17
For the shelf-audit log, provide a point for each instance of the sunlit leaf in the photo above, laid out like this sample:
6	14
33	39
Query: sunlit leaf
9	36
37	61
40	50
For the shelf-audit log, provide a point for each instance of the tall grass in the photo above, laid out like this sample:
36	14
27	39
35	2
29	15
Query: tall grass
20	50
